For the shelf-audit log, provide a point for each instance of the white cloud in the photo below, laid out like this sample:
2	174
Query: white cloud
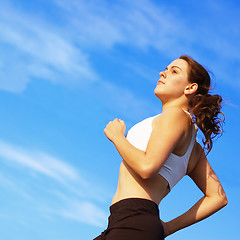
55	199
39	162
84	211
34	48
137	23
11	185
55	169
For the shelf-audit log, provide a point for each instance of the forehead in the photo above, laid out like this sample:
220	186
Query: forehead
180	63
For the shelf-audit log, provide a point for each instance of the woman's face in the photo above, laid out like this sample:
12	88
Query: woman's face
173	81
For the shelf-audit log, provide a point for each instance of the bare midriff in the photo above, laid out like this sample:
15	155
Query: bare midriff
131	185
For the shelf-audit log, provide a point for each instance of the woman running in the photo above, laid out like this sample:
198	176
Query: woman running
160	150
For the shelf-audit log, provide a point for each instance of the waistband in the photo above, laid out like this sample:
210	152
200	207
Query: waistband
135	203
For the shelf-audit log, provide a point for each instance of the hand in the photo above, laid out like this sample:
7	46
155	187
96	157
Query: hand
165	229
115	129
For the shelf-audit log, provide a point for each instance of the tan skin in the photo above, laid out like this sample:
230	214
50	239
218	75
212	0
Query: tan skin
138	176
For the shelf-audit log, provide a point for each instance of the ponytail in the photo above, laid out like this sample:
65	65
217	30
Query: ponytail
205	109
204	106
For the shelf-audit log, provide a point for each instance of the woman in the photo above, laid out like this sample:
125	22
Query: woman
160	150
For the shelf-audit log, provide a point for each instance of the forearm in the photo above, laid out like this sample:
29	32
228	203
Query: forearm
205	207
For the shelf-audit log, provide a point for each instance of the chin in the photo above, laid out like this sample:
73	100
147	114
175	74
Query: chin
161	95
157	94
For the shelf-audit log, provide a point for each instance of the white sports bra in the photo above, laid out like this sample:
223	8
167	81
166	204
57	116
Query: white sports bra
175	168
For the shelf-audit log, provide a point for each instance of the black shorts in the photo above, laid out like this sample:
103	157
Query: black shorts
133	218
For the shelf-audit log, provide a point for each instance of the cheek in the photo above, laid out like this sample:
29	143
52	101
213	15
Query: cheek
180	83
177	86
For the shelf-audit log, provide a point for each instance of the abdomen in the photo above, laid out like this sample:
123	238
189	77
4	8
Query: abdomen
132	185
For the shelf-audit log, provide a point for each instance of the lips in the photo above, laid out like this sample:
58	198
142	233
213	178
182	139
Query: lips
160	82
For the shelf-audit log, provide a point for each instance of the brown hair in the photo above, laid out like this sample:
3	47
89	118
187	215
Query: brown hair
204	106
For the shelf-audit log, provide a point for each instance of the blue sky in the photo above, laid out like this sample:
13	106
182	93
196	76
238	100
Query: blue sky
67	67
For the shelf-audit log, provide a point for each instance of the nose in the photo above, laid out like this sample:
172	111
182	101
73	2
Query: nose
162	74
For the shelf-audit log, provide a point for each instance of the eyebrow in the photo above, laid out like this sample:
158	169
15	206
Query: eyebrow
174	67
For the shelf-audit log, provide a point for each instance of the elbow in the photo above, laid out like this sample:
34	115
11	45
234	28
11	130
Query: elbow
220	198
147	172
224	199
149	168
145	175
224	202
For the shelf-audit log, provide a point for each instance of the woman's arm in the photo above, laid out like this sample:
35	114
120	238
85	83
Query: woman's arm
214	197
165	135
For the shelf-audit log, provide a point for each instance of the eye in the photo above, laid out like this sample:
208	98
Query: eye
174	71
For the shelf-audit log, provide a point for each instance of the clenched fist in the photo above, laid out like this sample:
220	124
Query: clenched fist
115	129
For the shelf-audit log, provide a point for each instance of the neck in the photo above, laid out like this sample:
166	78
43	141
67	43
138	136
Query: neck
178	104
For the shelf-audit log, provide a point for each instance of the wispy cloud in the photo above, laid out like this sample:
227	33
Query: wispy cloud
39	162
13	186
139	24
37	50
80	193
51	167
33	47
83	211
41	49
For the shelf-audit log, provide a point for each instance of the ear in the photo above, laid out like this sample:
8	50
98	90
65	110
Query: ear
191	88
